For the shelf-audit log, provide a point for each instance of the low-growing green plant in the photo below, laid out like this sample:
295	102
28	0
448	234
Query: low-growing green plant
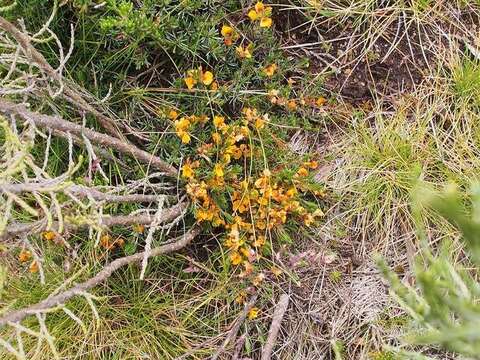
443	303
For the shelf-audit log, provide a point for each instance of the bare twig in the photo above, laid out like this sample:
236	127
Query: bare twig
108	221
80	191
105	273
232	334
70	94
56	123
275	326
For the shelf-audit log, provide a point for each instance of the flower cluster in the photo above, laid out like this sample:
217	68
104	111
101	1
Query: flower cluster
292	104
196	76
229	192
262	14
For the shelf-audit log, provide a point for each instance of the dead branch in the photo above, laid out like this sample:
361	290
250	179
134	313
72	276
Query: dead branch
167	215
232	334
280	309
79	191
56	123
105	273
69	93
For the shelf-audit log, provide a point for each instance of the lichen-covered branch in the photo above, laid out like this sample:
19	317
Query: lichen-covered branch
56	123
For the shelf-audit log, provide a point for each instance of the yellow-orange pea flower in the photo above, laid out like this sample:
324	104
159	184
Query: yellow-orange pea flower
139	228
302	172
235	258
207	78
218	121
48	235
266	22
218	170
270	70
253	313
187	171
244	52
172	114
216	137
33	268
190	82
24	256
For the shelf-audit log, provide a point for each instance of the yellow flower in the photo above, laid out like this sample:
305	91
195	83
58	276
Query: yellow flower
253	15
218	170
265	22
261	12
139	228
244	52
216	138
172	115
229	35
320	101
257	280
240	299
33	268
235	258
226	31
185	137
187	171
270	70
253	313
190	82
259	123
259	7
48	235
292	104
218	121
214	86
311	164
24	256
302	172
207	77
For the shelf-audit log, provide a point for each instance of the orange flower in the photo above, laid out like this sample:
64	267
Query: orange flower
270	70
302	172
320	101
235	258
139	228
244	52
311	164
24	256
33	268
190	82
292	105
172	114
48	235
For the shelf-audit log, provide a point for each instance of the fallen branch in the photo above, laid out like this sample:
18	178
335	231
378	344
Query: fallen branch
232	334
70	94
105	273
169	214
280	309
79	191
56	123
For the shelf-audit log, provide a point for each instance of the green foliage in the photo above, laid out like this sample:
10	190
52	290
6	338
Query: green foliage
445	308
466	81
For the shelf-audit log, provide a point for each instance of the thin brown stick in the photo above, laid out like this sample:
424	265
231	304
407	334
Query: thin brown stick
280	309
70	94
232	334
105	273
170	214
50	122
